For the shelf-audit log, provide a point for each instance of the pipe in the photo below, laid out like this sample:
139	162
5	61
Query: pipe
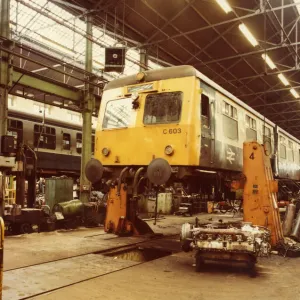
120	180
135	181
288	220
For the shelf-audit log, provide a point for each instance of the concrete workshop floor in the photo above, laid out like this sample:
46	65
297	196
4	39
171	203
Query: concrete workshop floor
67	265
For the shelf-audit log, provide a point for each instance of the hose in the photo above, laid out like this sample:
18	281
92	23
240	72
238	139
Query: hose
120	180
135	181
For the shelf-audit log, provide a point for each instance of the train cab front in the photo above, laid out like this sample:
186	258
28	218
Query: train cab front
149	115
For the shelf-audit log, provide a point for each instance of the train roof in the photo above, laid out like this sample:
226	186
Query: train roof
186	71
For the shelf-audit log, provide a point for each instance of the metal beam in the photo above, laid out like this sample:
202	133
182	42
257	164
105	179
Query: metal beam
268	91
43	85
257	13
247	54
275	103
87	110
5	83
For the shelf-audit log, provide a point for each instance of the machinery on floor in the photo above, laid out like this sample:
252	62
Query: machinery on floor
261	228
226	242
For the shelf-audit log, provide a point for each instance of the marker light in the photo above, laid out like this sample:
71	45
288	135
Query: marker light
105	151
169	150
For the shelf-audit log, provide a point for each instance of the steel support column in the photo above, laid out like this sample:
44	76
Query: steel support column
143	60
5	82
87	110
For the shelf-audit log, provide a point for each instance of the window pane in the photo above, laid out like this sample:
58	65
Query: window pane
205	106
66	142
79	143
283	151
251	135
226	109
247	121
163	108
267	144
44	137
230	127
118	113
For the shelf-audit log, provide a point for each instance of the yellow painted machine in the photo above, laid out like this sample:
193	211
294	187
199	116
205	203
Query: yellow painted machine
260	191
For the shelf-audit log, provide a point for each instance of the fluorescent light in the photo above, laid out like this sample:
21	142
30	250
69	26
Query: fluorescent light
225	6
268	61
58	46
283	79
248	35
294	93
297	6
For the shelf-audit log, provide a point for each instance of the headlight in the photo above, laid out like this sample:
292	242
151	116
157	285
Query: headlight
105	151
169	150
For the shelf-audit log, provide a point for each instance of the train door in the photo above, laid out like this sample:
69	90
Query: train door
207	131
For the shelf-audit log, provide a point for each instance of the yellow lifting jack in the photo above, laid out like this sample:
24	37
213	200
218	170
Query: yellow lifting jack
259	196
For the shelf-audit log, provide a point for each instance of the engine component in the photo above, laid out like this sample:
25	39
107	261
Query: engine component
232	241
289	219
69	209
159	171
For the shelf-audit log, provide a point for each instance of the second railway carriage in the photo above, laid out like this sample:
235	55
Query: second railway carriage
56	139
180	115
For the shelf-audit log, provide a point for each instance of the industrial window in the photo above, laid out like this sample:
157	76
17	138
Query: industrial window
162	108
118	114
15	128
290	151
251	132
205	110
93	144
267	139
66	141
230	123
44	137
79	142
282	148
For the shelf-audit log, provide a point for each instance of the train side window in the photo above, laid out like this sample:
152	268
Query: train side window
15	128
251	133
205	110
204	106
44	137
93	144
282	148
66	141
79	142
230	123
290	152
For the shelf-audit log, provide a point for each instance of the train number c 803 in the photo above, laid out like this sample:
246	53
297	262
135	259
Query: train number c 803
172	131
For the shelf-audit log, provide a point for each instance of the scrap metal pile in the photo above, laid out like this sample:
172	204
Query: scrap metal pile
230	241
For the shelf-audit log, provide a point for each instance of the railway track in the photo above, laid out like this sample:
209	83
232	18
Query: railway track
49	276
